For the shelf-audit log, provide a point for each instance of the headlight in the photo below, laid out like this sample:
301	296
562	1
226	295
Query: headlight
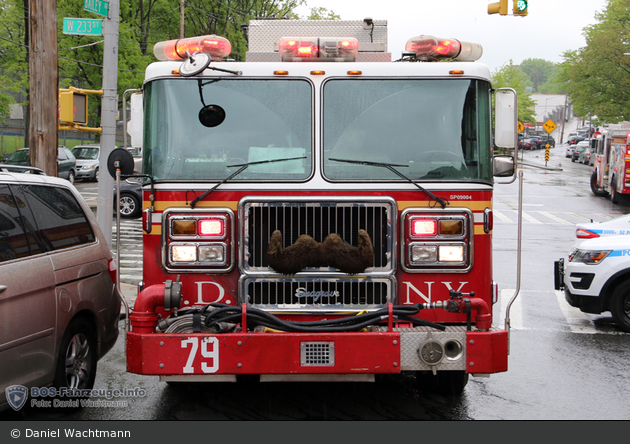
589	257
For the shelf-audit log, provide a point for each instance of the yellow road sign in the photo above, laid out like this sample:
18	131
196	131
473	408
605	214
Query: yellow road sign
520	127
549	126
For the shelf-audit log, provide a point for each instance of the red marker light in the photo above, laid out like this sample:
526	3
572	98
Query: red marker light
423	227
211	227
580	233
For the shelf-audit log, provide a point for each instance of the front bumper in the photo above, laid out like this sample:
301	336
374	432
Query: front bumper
211	356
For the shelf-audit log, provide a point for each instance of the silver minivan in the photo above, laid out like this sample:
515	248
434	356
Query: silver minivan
59	307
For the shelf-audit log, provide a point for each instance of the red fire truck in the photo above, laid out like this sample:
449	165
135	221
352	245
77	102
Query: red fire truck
611	168
319	212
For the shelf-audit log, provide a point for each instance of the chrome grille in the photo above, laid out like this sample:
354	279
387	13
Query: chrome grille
348	294
316	289
318	219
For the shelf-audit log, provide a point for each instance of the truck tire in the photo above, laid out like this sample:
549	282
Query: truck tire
596	191
614	195
620	306
444	383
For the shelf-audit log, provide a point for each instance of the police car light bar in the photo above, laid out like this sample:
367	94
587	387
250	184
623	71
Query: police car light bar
213	45
320	49
433	48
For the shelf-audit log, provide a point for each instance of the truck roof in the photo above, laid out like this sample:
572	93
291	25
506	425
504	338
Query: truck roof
303	69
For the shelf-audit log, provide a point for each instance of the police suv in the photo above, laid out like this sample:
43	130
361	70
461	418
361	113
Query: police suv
596	277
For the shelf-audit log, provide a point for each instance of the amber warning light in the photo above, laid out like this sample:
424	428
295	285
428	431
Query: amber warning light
427	47
179	49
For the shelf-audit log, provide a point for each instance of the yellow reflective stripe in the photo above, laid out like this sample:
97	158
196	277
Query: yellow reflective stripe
473	205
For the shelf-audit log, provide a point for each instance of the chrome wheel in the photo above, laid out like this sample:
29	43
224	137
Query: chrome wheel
129	206
78	362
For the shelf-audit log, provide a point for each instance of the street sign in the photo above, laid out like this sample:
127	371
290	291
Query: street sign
549	126
75	26
520	127
100	7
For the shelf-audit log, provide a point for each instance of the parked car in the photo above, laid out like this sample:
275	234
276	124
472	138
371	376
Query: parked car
548	139
60	307
528	144
596	277
130	198
613	227
585	156
570	150
87	161
66	163
574	140
579	149
21	169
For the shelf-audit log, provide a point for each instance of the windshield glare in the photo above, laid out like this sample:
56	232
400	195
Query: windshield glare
85	153
263	120
431	129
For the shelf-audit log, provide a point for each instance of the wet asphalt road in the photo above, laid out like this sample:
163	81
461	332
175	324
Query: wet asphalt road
563	364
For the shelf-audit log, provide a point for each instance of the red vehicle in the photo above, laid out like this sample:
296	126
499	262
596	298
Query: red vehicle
611	166
319	213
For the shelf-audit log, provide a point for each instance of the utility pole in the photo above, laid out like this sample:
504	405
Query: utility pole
109	108
43	85
181	19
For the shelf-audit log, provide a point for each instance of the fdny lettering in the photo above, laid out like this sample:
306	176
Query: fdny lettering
411	289
216	297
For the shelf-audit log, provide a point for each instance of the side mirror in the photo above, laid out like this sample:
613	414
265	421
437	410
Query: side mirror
505	118
503	166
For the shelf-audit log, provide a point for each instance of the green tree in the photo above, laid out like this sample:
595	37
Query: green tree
13	56
539	71
319	13
598	75
509	76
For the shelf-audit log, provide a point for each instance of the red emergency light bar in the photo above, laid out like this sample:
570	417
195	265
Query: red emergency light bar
213	45
432	48
321	49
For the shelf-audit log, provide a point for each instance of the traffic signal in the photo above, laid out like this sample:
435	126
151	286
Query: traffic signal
520	7
500	7
73	107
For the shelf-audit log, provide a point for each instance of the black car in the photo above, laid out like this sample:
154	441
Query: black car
573	140
548	139
66	162
130	199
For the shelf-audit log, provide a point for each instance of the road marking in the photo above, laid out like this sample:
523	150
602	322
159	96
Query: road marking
516	310
556	218
578	216
501	216
578	322
530	219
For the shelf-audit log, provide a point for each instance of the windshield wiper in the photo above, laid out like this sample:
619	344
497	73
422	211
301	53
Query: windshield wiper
390	166
243	167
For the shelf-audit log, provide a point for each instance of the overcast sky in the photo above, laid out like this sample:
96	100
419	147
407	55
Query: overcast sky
551	27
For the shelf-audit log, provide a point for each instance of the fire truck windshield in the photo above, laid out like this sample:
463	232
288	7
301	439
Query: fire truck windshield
256	120
435	129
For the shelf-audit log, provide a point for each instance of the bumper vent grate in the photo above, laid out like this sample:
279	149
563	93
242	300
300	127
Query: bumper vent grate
317	354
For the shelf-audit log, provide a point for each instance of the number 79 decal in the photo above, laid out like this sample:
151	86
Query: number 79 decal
209	349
